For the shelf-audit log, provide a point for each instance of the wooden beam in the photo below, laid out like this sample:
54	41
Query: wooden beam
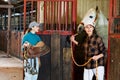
6	6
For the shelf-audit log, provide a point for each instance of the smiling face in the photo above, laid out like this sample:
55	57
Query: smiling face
35	29
89	29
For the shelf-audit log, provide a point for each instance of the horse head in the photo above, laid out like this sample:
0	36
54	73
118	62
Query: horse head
89	18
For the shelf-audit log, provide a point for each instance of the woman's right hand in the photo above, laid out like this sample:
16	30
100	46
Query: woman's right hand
26	44
72	38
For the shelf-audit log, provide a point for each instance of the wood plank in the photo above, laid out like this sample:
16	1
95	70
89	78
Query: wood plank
67	64
114	73
55	57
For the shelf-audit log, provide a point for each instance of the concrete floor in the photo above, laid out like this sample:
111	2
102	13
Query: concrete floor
10	68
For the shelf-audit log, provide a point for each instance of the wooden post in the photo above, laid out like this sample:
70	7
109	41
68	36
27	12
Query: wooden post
8	30
55	57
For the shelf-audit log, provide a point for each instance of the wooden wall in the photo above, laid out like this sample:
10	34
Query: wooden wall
84	5
114	73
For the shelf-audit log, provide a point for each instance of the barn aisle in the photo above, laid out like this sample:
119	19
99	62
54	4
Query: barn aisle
10	68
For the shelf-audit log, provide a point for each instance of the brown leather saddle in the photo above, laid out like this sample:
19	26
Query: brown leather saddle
38	50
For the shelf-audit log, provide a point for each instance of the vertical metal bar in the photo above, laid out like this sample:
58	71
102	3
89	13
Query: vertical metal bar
56	14
38	10
71	17
24	25
115	8
49	14
57	4
31	18
52	17
74	14
59	16
66	15
45	14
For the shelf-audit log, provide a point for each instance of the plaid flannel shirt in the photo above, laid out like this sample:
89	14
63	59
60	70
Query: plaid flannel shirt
94	46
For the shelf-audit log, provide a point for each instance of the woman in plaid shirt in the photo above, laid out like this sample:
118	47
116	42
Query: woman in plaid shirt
93	48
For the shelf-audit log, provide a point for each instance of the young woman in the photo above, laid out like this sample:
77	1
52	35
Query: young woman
31	65
93	48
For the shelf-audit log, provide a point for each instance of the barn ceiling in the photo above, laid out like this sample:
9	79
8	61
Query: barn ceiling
4	4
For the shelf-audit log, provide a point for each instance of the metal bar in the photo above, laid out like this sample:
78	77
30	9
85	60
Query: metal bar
52	15
24	25
115	8
45	14
6	6
71	16
56	15
31	18
59	19
66	17
38	10
74	14
63	16
49	13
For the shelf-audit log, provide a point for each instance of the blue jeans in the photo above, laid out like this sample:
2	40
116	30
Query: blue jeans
31	70
89	73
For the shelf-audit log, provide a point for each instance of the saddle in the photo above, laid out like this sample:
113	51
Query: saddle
38	50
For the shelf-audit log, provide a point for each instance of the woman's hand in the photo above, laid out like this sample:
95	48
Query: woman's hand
26	44
97	57
72	38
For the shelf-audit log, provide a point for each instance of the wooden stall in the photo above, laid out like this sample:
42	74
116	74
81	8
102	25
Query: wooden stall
114	41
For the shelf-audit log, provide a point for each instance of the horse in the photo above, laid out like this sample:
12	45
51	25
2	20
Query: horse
95	16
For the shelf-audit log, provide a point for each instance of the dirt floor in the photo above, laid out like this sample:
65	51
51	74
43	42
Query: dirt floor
11	68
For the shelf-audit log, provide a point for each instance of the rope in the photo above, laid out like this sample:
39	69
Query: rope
96	70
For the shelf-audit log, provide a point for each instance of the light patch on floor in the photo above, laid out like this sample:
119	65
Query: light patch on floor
11	68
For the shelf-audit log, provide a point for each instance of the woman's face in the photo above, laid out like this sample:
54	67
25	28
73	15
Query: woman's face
35	29
89	29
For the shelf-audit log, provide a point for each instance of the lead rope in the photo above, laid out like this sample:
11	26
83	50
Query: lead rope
96	70
84	63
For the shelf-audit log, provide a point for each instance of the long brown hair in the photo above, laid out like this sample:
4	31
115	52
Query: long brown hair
28	30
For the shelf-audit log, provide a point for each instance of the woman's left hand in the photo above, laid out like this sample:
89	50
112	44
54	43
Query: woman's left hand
95	58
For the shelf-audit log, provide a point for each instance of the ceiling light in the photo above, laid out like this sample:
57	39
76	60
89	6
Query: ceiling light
6	0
